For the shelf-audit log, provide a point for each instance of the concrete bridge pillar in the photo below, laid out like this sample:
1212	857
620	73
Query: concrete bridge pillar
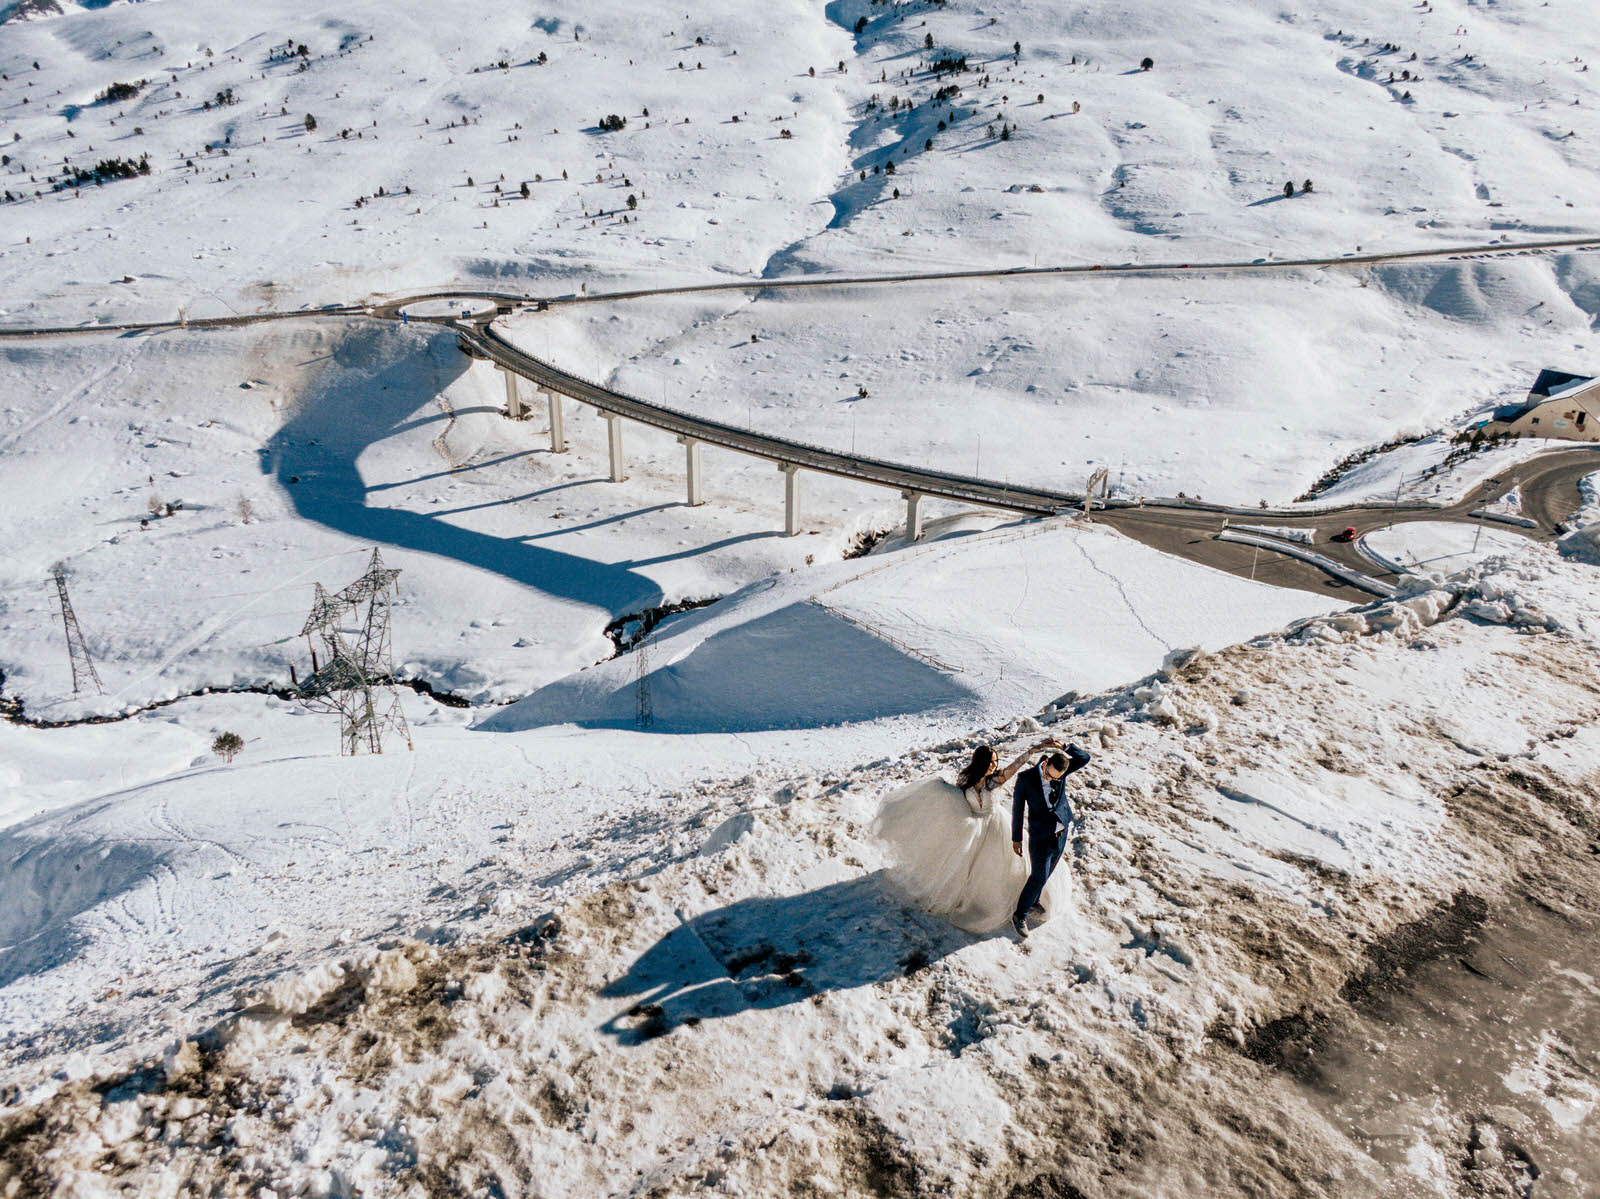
691	451
558	428
913	514
614	441
513	400
791	498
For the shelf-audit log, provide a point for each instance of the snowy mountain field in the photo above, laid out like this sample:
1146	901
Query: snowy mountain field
747	136
616	924
725	990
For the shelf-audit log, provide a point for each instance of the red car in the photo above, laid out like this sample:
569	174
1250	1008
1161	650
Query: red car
1348	533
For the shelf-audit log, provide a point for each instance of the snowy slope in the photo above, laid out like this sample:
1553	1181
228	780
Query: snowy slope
982	625
746	1002
1233	389
552	951
167	859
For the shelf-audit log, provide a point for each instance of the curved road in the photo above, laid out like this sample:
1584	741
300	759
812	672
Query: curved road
1036	501
1548	481
1549	484
1549	491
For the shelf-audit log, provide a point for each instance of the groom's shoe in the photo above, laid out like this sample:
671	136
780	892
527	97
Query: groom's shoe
1020	927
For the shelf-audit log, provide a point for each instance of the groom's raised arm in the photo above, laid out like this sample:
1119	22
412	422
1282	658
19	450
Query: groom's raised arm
1077	759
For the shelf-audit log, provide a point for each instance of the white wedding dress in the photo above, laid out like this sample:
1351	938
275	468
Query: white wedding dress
953	854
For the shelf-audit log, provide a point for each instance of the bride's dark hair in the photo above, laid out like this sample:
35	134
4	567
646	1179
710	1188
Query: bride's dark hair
977	769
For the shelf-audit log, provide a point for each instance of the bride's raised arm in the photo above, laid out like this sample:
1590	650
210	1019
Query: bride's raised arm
1001	777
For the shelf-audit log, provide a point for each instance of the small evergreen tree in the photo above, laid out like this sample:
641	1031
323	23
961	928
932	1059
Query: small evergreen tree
1147	64
311	123
1288	188
227	745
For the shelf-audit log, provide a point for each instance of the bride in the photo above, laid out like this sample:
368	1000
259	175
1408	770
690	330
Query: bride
952	844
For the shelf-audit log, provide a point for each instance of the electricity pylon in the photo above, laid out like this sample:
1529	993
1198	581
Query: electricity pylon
356	676
83	672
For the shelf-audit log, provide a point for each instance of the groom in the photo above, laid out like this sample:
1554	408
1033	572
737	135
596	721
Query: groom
1041	791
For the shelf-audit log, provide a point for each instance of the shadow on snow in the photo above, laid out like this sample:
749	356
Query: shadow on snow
382	386
772	951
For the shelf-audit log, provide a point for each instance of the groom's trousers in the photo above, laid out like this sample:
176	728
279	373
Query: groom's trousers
1043	854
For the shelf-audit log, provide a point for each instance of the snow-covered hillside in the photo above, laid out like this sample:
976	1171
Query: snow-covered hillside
744	1003
745	163
617	924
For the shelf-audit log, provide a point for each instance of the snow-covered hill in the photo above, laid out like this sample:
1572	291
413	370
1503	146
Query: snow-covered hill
743	1002
747	160
629	933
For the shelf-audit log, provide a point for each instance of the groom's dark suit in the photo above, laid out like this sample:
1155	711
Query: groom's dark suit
1049	818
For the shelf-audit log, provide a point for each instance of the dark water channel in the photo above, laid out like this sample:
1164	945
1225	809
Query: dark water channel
1479	1073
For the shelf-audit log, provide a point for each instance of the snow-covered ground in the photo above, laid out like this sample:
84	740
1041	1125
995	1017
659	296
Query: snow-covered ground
823	669
1440	547
514	559
978	626
1235	389
1251	838
560	949
1589	496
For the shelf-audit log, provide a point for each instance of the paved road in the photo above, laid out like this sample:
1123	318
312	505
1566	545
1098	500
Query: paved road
389	307
1548	482
1030	500
1174	267
1549	492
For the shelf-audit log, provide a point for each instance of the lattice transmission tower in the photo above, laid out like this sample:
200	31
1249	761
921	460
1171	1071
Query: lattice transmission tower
355	676
641	684
83	672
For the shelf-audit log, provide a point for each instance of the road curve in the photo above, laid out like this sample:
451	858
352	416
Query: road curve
1548	481
488	341
1548	485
